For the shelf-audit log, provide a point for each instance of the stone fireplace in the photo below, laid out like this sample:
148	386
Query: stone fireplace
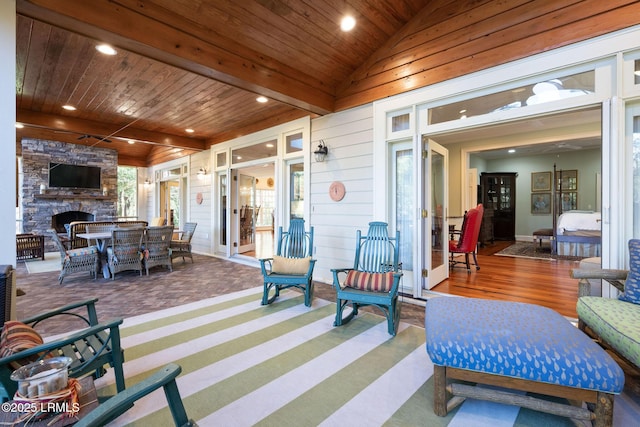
58	221
54	207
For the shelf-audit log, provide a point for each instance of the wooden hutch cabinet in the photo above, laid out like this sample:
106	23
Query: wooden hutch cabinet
498	192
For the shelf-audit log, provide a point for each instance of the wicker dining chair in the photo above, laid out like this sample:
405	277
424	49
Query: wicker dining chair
125	252
181	247
75	260
157	247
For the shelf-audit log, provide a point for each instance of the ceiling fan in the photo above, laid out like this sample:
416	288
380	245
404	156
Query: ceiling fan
562	146
94	136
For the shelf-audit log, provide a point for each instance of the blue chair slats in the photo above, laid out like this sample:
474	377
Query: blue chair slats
292	266
376	261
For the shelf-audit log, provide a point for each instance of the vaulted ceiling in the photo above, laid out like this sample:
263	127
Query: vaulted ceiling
201	64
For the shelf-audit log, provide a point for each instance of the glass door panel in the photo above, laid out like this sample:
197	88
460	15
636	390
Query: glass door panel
170	202
404	209
636	170
296	191
248	212
222	205
437	253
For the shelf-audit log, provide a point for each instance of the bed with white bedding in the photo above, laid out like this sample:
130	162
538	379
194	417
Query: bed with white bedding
578	234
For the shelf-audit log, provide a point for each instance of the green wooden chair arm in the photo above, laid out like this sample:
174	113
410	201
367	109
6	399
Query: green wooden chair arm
52	345
336	275
121	402
91	319
263	265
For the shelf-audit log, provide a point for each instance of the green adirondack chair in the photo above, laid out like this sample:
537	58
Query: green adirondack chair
292	266
374	279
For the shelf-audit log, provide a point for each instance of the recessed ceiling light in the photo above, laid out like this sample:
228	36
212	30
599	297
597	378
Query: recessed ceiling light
19	125
69	107
512	150
347	23
106	49
189	130
269	145
131	141
262	99
463	111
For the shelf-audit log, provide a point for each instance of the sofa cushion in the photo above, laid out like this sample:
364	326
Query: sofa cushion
632	284
615	321
283	265
16	337
377	282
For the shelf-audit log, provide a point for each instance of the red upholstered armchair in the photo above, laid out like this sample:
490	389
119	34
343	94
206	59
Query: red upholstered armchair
468	241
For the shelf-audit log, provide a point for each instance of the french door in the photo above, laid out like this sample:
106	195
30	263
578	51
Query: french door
419	212
243	193
435	238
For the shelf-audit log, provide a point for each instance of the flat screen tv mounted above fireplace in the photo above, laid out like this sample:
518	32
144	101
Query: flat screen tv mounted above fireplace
73	176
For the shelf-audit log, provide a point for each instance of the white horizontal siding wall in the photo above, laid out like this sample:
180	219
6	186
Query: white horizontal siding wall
349	137
200	213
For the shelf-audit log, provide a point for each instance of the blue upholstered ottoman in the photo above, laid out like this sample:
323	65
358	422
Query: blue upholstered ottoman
517	346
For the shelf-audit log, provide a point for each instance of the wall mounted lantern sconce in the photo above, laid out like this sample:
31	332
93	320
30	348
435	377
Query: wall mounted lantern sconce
202	172
321	152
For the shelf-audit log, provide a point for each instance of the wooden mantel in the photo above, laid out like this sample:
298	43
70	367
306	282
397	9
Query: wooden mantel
72	196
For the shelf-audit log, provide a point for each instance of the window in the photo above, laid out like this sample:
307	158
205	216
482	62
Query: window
221	159
263	150
548	90
127	192
400	123
294	143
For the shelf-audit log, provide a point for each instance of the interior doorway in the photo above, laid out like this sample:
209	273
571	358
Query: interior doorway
171	202
254	208
529	145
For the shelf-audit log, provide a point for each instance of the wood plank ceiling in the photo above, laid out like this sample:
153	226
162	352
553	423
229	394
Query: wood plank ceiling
200	64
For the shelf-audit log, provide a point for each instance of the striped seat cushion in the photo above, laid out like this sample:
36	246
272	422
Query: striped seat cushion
16	337
377	282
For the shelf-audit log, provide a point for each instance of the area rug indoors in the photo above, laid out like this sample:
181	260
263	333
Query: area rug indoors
286	365
51	263
526	250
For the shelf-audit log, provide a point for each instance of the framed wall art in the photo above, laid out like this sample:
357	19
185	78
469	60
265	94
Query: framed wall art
567	180
541	203
568	200
540	181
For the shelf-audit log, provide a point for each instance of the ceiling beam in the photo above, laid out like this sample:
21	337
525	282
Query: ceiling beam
82	127
130	29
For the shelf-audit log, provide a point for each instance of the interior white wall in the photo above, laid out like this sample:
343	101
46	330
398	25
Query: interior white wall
8	131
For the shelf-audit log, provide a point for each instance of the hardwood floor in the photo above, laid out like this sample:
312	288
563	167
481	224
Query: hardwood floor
543	282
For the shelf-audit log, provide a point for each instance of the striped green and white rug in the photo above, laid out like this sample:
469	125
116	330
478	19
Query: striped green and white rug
286	365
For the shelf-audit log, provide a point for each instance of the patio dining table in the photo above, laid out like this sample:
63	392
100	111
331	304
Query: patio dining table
102	239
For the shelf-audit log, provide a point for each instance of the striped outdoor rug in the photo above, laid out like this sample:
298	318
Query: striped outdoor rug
286	365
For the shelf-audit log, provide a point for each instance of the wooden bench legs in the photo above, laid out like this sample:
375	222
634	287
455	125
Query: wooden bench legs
448	396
